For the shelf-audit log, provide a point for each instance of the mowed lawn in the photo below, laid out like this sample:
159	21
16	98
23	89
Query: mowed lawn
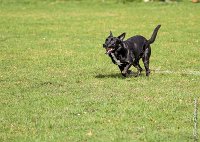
56	83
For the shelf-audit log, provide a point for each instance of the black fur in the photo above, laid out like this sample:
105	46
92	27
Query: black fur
129	52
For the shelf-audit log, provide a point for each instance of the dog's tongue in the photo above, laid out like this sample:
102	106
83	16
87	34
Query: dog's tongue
109	51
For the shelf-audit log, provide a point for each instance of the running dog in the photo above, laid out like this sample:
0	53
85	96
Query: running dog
129	52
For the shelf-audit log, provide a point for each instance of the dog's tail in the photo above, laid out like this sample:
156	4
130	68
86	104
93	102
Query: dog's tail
153	37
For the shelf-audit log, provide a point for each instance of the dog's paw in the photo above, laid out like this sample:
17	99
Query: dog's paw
147	73
138	74
124	74
130	72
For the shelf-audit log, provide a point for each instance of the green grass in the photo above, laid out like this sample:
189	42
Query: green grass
56	83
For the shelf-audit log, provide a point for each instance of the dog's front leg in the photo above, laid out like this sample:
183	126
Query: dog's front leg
121	67
139	69
125	71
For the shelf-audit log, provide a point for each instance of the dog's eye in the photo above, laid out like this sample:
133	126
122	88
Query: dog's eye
111	39
106	39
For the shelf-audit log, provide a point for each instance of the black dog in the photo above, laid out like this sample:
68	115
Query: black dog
129	52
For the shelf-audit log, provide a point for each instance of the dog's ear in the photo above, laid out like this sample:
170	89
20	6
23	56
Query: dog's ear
122	36
111	35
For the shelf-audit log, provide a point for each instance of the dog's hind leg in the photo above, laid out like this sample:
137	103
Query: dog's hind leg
145	60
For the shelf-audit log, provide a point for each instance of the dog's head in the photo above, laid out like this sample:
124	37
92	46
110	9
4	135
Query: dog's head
113	43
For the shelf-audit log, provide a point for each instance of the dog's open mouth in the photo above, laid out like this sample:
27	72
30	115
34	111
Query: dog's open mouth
109	50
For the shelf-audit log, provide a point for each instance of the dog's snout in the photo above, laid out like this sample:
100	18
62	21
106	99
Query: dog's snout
104	45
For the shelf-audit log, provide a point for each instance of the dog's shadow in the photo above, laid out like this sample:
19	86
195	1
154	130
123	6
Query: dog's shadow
116	75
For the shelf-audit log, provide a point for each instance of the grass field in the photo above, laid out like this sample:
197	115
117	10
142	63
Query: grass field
56	83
